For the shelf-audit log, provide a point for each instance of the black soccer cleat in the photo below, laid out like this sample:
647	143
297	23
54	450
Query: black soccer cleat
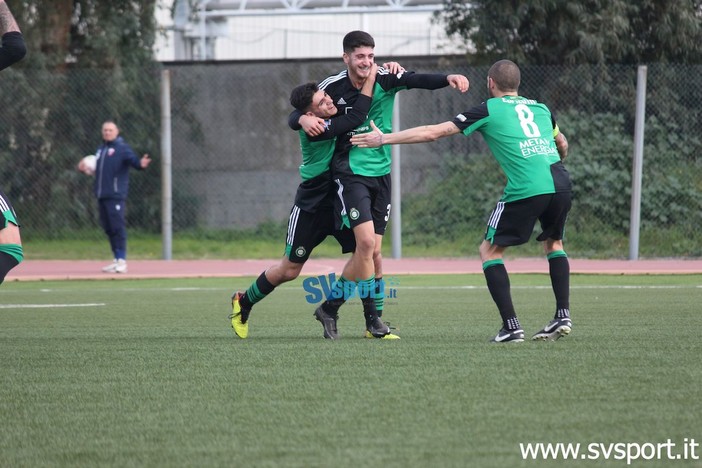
377	328
328	323
509	336
555	329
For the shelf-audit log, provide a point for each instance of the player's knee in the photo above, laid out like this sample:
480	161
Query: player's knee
365	245
552	245
489	251
291	272
484	250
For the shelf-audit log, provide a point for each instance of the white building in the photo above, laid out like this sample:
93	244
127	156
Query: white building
292	29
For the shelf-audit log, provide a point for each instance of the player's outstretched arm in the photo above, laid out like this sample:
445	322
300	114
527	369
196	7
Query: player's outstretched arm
436	81
421	134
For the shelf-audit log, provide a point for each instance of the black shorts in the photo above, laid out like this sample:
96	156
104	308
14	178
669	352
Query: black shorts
307	230
512	223
7	213
366	199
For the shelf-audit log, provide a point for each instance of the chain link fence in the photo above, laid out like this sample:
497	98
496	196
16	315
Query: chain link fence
235	159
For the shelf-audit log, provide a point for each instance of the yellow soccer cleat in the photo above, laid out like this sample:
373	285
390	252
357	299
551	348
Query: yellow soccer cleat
240	319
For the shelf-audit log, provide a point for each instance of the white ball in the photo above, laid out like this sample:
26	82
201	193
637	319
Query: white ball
89	163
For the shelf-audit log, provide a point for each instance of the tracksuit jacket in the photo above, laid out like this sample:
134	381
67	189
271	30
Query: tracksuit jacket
112	171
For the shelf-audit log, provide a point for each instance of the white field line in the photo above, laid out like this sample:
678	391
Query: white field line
49	306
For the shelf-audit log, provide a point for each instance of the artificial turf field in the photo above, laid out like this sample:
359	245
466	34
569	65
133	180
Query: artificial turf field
149	373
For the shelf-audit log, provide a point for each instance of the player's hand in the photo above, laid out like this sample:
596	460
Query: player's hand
312	126
145	161
372	139
458	82
393	67
373	72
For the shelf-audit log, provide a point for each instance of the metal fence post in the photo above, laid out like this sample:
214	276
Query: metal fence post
637	167
166	166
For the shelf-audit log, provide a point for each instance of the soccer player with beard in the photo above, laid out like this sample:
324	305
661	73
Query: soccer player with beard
363	174
527	143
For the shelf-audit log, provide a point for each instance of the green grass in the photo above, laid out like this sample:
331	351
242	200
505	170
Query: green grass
270	242
190	246
148	373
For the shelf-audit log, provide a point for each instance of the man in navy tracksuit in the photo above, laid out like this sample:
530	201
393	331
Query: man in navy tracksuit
114	158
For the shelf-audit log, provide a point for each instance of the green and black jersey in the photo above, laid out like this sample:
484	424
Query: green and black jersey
374	162
371	162
317	154
520	133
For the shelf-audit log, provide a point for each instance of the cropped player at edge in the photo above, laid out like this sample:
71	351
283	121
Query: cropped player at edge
524	138
13	50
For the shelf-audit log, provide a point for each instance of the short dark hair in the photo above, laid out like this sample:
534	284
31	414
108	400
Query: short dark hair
301	96
356	39
506	75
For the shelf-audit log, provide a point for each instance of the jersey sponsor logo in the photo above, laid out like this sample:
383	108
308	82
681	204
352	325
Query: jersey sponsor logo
300	251
537	146
461	117
110	151
341	102
354	214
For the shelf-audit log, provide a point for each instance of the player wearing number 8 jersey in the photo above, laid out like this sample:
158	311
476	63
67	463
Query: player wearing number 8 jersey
526	141
520	133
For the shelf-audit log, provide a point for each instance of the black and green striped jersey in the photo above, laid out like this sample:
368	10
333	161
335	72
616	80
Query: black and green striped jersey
520	133
371	162
317	154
